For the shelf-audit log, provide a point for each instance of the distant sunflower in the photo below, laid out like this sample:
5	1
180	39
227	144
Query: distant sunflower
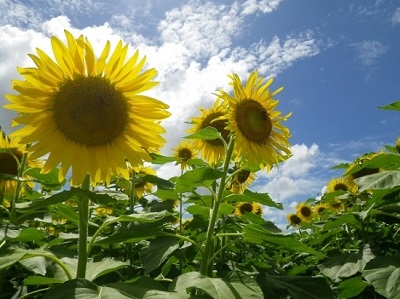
336	205
143	187
12	153
293	219
241	180
363	171
261	139
243	207
88	113
103	211
305	212
397	146
342	184
183	152
213	151
320	209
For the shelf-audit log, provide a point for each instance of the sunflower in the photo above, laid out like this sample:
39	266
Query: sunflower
11	152
363	171
103	211
305	212
345	184
241	180
336	205
397	145
142	187
243	207
88	113
320	209
293	219
261	139
212	151
183	152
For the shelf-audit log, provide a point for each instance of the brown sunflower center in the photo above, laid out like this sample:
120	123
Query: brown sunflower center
245	207
253	121
294	219
320	210
219	124
242	176
8	165
341	187
90	111
185	154
305	211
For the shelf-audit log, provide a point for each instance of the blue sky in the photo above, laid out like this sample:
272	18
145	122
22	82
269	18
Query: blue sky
337	60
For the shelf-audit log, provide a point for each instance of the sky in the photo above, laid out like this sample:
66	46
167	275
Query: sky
337	61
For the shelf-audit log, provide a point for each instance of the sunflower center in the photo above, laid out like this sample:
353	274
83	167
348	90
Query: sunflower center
185	154
253	121
242	176
340	186
8	165
294	219
90	111
246	207
305	211
219	125
320	210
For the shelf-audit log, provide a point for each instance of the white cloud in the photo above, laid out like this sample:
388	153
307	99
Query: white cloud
265	6
396	16
369	51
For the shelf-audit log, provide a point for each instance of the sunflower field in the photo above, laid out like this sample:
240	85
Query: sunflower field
83	213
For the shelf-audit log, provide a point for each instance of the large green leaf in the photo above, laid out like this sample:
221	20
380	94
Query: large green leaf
182	282
36	264
49	179
392	106
248	196
195	178
384	274
346	264
352	287
256	234
141	218
208	133
298	287
380	180
9	258
159	159
96	269
40	280
83	289
157	252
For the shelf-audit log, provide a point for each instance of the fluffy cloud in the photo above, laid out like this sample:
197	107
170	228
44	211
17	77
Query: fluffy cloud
369	51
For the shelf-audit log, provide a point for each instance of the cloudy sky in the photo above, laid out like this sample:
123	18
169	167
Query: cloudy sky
337	60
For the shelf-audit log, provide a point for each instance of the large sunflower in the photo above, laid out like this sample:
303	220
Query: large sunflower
212	151
183	152
305	212
87	113
345	184
261	139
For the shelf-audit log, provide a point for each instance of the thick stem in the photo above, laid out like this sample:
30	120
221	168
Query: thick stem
17	191
83	210
206	261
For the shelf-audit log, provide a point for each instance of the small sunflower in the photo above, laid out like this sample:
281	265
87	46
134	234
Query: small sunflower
88	113
13	151
143	187
213	151
397	146
293	219
345	184
243	207
336	205
305	212
241	180
183	152
261	139
320	209
103	211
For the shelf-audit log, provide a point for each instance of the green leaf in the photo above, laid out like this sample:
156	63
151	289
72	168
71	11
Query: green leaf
245	285
209	133
83	289
298	287
29	234
248	196
199	210
141	218
392	106
134	234
346	264
217	288
10	258
380	180
36	264
256	234
159	159
195	178
40	280
351	287
384	274
49	179
107	265
157	252
181	283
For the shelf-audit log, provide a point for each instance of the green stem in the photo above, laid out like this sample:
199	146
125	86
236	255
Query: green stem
209	244
184	239
223	248
33	293
132	199
83	209
17	191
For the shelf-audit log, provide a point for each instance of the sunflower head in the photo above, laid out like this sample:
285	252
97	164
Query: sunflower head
261	139
241	180
352	171
142	187
88	114
345	184
183	152
293	219
243	207
305	212
397	145
336	205
213	151
320	209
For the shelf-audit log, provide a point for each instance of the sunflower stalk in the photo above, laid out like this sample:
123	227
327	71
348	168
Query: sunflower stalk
83	210
17	191
207	258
